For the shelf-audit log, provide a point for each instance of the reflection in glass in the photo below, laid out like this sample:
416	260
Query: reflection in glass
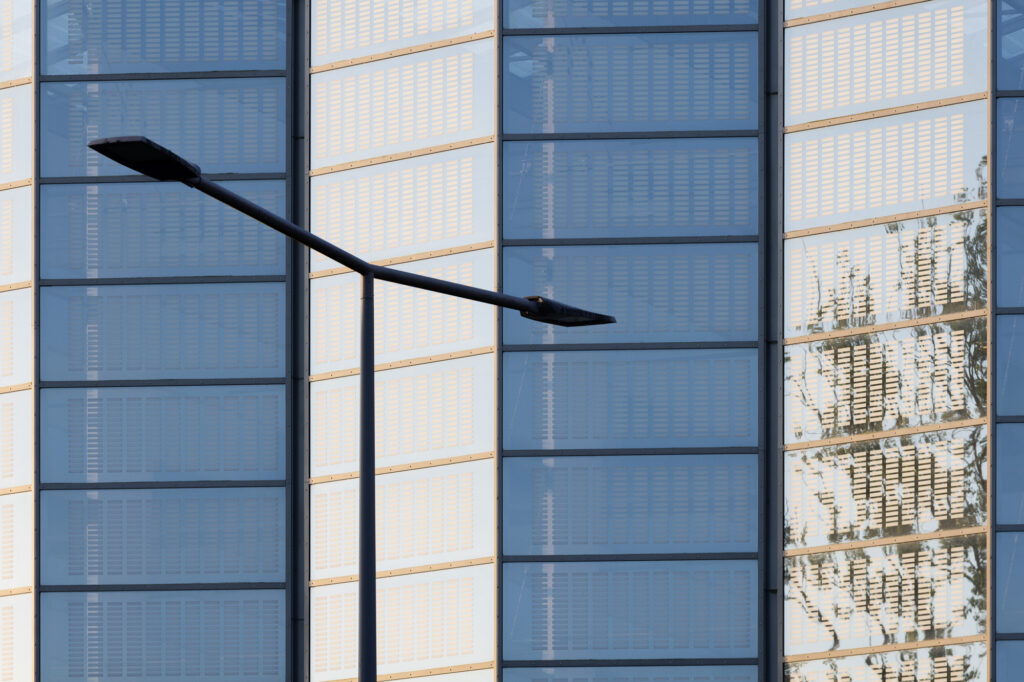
1009	375
933	664
1009	253
885	380
635	82
887	273
1010	32
16	133
1009	473
689	673
600	13
895	486
1009	597
16	230
1010	144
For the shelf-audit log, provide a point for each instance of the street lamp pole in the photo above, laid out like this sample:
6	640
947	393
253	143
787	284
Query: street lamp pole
149	158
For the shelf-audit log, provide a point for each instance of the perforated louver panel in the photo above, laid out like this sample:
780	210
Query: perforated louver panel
629	188
163	536
635	609
202	636
17	429
157	230
224	125
16	235
16	133
657	293
431	411
17	542
629	505
421	204
615	83
17	637
630	399
594	13
166	433
689	673
15	39
163	331
16	351
957	663
162	35
402	104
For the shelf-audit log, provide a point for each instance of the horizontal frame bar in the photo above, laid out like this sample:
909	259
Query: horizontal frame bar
673	345
626	241
886	326
886	541
101	179
603	452
157	587
401	52
628	662
169	75
411	362
882	435
196	279
601	30
142	383
398	468
849	12
882	113
653	135
162	485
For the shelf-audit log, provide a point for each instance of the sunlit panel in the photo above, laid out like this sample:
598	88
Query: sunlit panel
635	82
162	433
396	105
630	188
690	673
16	228
657	293
17	545
427	516
895	164
17	428
426	412
630	399
1009	67
17	636
883	380
594	13
934	664
426	203
633	504
16	133
629	609
16	33
16	333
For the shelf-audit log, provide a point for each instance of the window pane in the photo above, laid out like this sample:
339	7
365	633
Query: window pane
634	504
718	673
1009	577
200	636
555	14
17	622
1009	365
17	542
17	437
146	36
402	104
933	664
16	35
16	134
1009	473
664	292
630	399
16	331
156	230
242	128
165	331
871	169
1009	659
449	197
166	433
1009	254
917	54
16	229
636	82
1010	165
630	188
629	609
1010	31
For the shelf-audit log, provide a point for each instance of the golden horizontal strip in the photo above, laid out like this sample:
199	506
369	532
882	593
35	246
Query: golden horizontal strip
465	668
894	540
839	14
413	257
15	590
15	286
880	113
412	466
483	561
15	83
412	362
885	648
17	387
14	490
887	326
894	218
355	61
879	435
16	184
373	161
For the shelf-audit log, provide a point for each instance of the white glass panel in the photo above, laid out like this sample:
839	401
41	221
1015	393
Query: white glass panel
344	29
402	104
147	636
16	230
224	125
432	411
167	433
16	348
137	537
629	609
934	664
16	38
17	541
146	36
405	207
634	504
630	399
594	13
156	230
17	636
17	429
425	620
876	168
663	292
896	57
408	322
165	331
16	134
689	673
427	516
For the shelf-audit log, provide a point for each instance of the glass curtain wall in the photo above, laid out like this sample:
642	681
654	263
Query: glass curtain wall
162	355
886	425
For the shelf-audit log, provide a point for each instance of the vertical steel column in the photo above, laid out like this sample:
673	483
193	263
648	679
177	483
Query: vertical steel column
367	494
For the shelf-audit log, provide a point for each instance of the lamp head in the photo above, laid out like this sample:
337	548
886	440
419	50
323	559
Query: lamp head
553	312
144	156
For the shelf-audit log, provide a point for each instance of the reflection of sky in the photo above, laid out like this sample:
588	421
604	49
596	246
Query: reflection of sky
933	663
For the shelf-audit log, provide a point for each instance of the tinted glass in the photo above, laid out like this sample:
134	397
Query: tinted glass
16	229
16	35
1010	32
16	133
1009	364
16	336
718	673
933	664
1009	473
1009	659
1009	254
556	14
1009	598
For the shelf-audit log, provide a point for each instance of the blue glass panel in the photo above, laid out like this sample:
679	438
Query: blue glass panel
1010	143
166	433
1009	660
181	636
630	188
689	673
1010	33
224	125
16	337
1009	473
16	134
630	399
148	36
1009	597
664	292
1009	365
165	331
1009	254
16	231
633	504
635	82
594	13
629	609
17	438
16	38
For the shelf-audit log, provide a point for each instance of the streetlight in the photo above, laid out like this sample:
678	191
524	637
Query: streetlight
149	158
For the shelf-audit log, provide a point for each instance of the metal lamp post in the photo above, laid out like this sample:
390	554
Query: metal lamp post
151	159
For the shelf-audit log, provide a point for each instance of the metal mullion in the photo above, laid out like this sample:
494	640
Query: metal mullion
625	135
616	30
162	76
